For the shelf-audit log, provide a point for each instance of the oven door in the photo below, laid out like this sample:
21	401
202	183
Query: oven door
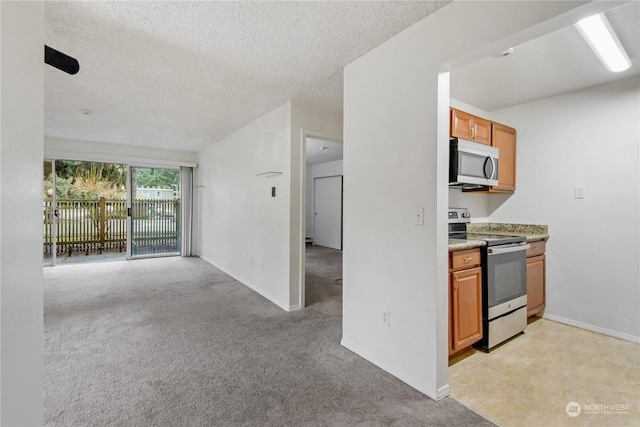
506	278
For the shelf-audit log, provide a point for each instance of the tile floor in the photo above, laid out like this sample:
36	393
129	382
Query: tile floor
530	380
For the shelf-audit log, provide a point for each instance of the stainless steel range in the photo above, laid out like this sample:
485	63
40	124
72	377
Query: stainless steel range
504	280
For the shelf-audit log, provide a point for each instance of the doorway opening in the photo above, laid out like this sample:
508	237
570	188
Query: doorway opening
323	220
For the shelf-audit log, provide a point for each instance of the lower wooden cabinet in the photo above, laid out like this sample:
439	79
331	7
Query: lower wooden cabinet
466	308
536	283
465	300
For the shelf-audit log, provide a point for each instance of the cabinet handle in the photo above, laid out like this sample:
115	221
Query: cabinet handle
467	259
473	133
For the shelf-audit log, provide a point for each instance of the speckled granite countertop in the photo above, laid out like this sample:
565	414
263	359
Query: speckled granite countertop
532	232
460	244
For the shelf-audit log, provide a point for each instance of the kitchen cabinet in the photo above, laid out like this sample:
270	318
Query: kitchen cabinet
504	139
474	128
467	126
536	271
465	299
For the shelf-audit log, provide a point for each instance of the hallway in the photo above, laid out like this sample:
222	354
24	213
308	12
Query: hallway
323	276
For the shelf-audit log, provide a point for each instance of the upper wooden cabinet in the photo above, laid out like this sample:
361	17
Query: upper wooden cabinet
474	128
467	126
504	139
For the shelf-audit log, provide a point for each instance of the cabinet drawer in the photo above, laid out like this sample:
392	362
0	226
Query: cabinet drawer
465	259
536	248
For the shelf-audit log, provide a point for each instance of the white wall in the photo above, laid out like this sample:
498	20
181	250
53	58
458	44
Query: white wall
395	161
73	149
21	294
318	171
245	231
256	238
587	138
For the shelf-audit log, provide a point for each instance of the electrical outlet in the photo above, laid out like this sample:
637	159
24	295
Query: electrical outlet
386	318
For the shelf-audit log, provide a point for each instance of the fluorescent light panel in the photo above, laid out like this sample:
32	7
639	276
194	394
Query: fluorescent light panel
597	31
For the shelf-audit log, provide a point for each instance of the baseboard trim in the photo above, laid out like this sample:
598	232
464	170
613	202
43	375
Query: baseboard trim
592	328
436	395
248	284
443	392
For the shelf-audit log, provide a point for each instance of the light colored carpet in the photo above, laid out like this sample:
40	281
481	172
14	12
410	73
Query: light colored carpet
175	342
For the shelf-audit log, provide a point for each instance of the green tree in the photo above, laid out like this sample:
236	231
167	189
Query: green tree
90	184
158	178
86	180
62	187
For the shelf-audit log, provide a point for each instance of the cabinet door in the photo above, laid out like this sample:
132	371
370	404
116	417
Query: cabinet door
466	307
535	284
481	131
461	124
504	139
467	126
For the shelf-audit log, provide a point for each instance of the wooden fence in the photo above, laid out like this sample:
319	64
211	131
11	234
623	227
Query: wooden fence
98	226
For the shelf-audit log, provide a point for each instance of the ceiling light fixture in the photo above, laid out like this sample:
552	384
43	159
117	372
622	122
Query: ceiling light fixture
503	53
598	33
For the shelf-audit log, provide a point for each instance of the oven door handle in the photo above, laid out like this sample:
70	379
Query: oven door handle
506	250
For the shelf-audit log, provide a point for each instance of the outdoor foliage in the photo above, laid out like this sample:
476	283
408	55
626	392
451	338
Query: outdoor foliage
76	180
93	187
159	178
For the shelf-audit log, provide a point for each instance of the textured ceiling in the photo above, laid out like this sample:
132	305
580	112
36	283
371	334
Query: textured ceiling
555	63
182	75
323	151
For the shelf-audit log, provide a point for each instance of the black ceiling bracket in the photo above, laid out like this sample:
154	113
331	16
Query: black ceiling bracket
60	60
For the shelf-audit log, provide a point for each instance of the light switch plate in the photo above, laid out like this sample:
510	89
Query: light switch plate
420	216
579	193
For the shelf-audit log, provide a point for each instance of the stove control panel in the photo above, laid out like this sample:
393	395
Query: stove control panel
459	215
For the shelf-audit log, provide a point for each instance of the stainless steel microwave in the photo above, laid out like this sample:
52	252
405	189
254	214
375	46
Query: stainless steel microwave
472	165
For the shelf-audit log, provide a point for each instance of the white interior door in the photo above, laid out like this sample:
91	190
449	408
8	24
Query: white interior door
327	224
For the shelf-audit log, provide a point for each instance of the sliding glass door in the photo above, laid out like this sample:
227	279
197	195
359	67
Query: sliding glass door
154	212
84	211
103	211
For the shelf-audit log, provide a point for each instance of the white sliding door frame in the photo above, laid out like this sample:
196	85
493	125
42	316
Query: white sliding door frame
54	217
179	227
